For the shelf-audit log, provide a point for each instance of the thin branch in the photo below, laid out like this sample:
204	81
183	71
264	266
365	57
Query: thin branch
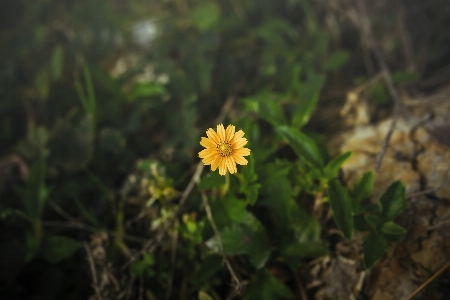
93	272
151	244
420	288
366	28
238	284
301	288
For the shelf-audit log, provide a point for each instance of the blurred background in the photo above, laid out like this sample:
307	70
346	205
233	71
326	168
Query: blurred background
102	107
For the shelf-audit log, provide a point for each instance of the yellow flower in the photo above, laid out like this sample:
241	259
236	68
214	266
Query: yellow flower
224	149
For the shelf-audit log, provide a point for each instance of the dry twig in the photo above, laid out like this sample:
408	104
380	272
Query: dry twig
93	272
420	288
150	245
366	28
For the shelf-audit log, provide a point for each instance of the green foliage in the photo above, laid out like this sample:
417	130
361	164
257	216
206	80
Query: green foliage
341	206
211	180
110	128
55	248
267	287
374	247
393	201
35	193
303	146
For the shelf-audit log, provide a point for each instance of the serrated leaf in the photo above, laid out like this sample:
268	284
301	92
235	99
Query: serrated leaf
362	189
392	228
208	268
393	201
336	60
302	145
332	168
341	206
374	247
57	247
210	180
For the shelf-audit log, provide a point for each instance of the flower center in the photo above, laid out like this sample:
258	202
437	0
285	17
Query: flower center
224	149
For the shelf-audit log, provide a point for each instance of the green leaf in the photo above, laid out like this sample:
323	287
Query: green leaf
307	249
393	201
35	194
392	228
340	204
57	247
332	168
205	15
42	83
210	180
267	287
373	220
303	145
248	172
146	90
374	247
308	96
336	60
204	296
227	211
251	193
208	268
57	62
268	107
242	239
405	77
362	189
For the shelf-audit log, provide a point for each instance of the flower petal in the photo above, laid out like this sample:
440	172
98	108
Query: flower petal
207	143
221	132
213	135
229	132
239	143
240	160
233	163
215	164
237	136
229	165
222	167
210	159
241	152
205	152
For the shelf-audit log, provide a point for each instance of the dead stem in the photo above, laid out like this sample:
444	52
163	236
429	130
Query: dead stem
237	283
420	288
93	272
366	29
151	244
